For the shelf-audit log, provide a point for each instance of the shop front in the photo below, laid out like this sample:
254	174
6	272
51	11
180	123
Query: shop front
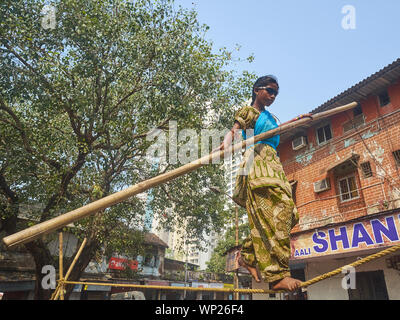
329	248
203	295
176	294
156	294
17	290
95	292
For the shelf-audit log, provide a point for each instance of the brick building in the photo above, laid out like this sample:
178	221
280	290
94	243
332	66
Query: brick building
345	173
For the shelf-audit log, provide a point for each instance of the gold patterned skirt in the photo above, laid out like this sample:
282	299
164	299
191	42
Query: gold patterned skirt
263	189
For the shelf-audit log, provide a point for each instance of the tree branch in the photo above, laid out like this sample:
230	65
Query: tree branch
19	126
75	125
65	181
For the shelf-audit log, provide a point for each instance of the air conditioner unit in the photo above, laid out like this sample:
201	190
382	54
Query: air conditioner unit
322	185
299	143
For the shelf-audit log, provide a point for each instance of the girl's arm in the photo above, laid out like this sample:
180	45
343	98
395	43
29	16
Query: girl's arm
229	137
307	115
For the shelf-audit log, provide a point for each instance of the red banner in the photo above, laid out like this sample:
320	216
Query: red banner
121	264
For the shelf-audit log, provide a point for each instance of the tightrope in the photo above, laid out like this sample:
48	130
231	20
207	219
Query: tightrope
354	264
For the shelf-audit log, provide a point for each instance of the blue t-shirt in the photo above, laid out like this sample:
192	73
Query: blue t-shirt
265	122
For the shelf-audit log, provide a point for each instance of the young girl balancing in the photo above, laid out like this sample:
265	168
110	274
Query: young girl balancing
263	189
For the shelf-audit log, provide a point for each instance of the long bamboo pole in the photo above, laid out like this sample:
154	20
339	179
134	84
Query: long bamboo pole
46	227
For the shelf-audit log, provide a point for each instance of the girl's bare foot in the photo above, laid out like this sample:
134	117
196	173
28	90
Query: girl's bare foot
252	270
286	283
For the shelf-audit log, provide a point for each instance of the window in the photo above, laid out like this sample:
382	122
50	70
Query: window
293	184
348	188
148	260
357	110
396	156
384	98
366	169
324	134
358	120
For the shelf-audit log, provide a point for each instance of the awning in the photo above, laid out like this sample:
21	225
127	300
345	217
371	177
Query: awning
200	285
348	163
157	283
12	286
180	285
92	287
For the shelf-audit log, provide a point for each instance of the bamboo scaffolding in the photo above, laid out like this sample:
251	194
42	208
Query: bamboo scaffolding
60	240
62	220
60	264
59	292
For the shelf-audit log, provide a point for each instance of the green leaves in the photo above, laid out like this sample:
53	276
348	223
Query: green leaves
86	93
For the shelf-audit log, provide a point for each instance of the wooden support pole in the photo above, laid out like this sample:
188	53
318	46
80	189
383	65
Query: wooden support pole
60	261
236	274
61	287
51	225
59	291
56	292
75	259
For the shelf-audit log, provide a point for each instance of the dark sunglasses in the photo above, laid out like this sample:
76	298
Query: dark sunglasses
271	91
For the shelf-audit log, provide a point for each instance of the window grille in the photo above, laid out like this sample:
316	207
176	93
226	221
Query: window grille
324	134
396	156
366	169
348	188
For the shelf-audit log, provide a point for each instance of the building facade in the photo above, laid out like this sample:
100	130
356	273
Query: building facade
345	173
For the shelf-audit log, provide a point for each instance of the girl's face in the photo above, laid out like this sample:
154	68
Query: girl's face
264	96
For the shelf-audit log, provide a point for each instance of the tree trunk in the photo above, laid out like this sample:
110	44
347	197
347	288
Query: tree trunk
86	256
42	257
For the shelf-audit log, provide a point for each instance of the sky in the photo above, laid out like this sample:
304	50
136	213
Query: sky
315	49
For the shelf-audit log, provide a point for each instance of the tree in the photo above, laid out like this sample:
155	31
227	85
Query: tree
83	84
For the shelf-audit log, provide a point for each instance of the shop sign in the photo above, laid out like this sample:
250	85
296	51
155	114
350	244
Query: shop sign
231	261
121	264
361	235
93	287
200	285
77	288
157	283
180	285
